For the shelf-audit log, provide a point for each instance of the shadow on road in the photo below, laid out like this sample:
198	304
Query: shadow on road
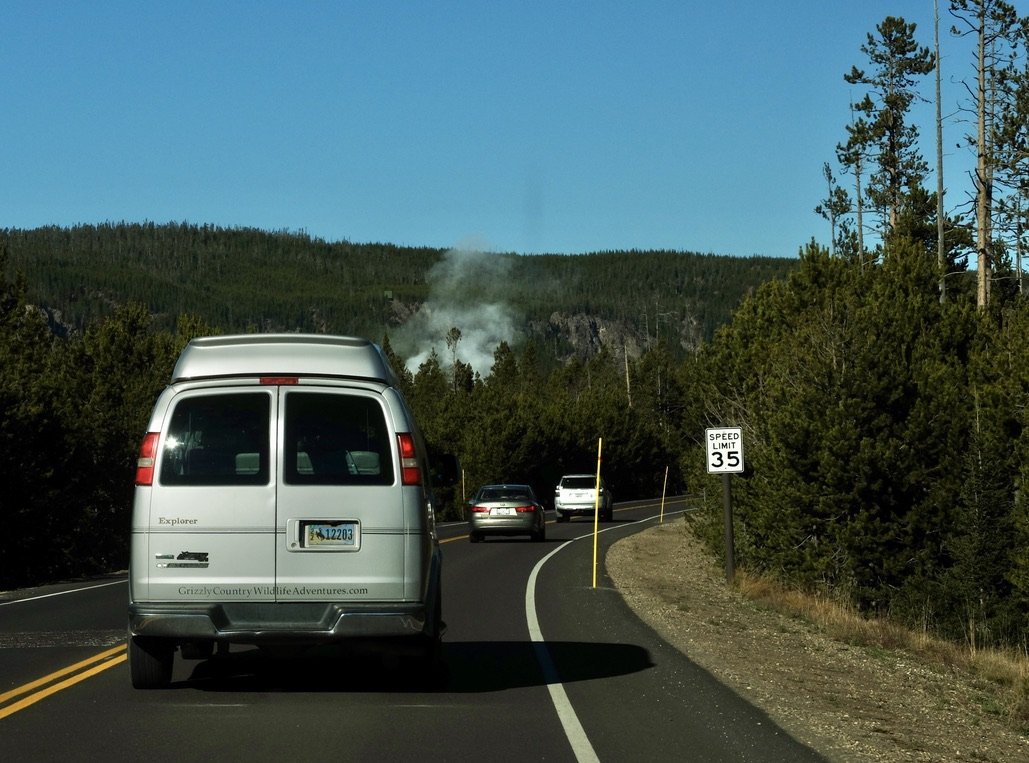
483	666
469	667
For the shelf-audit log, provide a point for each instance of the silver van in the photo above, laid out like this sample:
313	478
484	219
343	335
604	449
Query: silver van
282	498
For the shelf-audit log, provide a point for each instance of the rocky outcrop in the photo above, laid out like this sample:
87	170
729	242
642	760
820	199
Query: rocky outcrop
579	335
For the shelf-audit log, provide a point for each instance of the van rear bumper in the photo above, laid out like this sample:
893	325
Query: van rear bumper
278	623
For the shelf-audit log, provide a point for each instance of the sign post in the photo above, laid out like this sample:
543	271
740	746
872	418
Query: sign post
725	457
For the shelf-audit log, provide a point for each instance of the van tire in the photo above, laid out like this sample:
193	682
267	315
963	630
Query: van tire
150	662
431	669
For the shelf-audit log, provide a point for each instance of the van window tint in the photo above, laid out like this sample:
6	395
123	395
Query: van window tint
218	440
336	439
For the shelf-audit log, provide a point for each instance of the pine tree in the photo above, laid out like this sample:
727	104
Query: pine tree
897	60
996	27
31	433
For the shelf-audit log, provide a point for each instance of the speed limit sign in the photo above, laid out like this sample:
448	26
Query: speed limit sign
724	450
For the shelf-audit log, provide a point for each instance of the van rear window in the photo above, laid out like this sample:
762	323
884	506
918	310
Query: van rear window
218	440
336	439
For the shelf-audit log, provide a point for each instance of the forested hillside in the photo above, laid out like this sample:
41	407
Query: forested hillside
244	280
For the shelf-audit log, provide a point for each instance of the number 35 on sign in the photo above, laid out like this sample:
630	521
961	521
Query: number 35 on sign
724	450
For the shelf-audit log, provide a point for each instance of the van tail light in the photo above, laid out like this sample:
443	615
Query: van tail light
147	460
410	472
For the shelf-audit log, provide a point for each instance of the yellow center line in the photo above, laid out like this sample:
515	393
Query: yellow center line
53	688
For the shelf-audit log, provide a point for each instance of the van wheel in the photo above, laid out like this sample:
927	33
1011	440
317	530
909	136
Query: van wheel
150	662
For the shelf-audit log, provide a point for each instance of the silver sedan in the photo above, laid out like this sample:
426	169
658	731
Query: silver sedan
505	510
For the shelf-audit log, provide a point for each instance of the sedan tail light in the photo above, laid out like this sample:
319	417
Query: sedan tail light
524	509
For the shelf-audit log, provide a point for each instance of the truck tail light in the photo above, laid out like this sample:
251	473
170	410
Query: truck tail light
147	460
410	473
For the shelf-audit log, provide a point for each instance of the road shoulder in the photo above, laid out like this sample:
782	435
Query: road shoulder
847	702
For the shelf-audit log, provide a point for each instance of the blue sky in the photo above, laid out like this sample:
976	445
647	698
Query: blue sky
529	127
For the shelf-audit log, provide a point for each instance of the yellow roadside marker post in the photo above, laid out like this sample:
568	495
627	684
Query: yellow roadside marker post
664	487
596	509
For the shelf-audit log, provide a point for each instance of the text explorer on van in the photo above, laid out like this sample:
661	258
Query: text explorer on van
282	498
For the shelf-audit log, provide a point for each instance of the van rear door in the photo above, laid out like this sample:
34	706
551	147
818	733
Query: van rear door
212	509
338	503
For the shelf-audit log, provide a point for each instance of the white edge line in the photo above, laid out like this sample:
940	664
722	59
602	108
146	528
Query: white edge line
566	714
574	732
62	593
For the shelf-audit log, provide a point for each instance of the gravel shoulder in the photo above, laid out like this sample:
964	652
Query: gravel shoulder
851	703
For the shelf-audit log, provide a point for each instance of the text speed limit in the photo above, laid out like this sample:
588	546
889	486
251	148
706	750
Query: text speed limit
724	450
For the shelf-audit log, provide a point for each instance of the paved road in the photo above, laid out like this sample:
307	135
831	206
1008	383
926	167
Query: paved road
543	665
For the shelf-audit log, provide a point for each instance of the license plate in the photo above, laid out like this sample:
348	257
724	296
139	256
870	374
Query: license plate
331	535
503	512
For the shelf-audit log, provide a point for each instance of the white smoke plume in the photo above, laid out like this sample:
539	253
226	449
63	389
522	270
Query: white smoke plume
468	291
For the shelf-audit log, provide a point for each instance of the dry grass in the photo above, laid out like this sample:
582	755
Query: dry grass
852	689
1003	674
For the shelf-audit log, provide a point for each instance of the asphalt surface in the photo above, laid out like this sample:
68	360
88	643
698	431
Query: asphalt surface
559	671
